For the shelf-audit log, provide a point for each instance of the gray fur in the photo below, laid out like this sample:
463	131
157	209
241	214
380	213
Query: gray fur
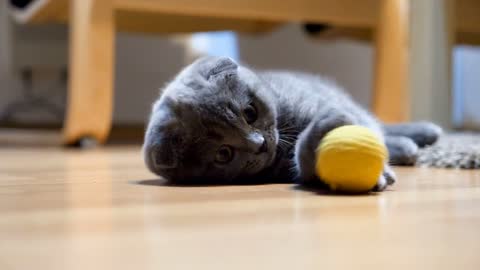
422	133
402	150
201	111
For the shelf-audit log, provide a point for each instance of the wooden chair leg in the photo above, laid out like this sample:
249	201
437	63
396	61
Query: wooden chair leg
391	95
90	97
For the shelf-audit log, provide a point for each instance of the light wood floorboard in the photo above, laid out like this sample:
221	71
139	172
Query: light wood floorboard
101	209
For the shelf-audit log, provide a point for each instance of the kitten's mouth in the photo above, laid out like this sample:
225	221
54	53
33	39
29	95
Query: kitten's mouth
264	161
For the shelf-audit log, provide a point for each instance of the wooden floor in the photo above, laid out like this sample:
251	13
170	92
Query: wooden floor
101	209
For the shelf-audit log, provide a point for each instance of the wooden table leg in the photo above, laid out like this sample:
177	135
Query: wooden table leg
391	95
90	96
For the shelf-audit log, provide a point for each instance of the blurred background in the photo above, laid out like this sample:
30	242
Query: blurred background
34	67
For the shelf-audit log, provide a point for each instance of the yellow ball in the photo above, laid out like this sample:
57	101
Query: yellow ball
351	159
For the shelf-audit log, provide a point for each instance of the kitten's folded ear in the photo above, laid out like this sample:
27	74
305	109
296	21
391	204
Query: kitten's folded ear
212	66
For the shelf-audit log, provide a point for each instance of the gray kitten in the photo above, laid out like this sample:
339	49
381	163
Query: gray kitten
221	122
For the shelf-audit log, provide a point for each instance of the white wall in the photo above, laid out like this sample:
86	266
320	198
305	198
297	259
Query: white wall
350	63
42	48
5	59
466	79
145	63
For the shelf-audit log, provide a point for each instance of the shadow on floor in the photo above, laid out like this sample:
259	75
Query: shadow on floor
322	190
318	189
206	183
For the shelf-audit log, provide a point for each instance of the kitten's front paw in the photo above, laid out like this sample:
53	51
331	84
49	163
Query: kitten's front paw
381	184
387	178
305	160
309	139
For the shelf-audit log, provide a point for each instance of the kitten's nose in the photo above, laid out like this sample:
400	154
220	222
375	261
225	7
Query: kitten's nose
263	148
258	142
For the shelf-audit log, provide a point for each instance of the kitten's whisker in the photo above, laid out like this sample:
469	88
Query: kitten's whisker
288	136
287	129
292	133
281	147
289	139
287	143
284	145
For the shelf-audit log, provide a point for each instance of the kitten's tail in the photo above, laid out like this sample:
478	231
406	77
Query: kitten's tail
422	133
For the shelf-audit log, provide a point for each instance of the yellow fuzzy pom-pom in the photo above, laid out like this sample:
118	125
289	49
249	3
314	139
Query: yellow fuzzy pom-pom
351	159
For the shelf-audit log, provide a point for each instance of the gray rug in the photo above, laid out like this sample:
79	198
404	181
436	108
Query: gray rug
457	150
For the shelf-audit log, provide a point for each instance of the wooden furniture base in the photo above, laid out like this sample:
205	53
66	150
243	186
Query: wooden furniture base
93	24
90	97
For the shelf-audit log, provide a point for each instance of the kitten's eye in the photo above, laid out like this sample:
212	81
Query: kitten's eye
250	114
224	154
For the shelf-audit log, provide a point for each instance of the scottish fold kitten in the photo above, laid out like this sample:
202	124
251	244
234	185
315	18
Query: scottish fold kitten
222	122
